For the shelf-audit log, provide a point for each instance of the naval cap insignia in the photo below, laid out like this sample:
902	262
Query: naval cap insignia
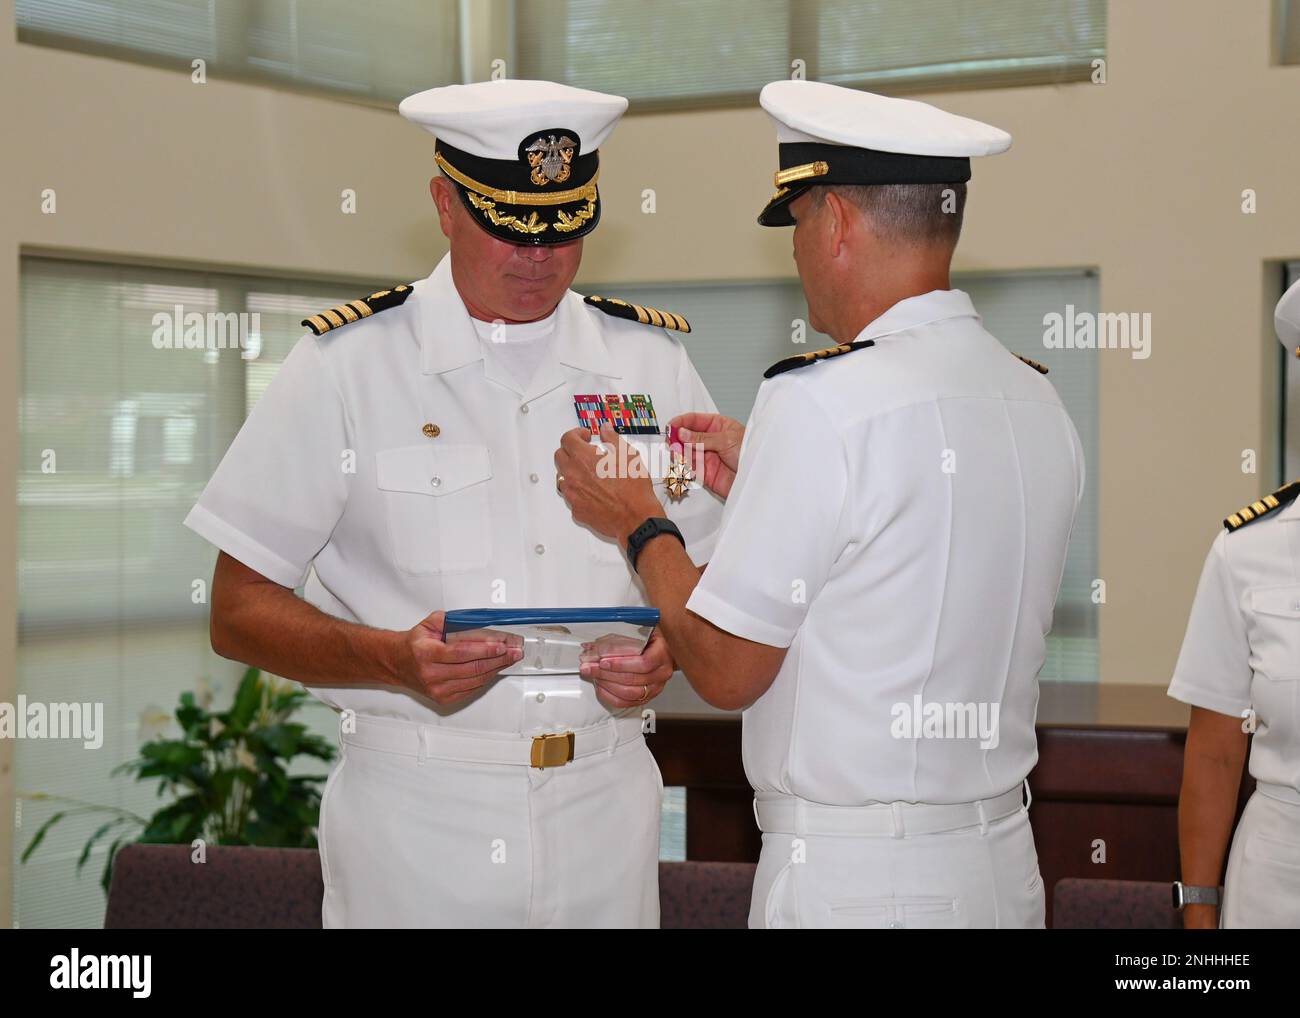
549	154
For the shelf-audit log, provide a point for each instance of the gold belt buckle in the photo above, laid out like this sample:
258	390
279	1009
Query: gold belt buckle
553	750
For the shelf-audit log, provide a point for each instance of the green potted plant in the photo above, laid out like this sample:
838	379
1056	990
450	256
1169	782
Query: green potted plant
226	775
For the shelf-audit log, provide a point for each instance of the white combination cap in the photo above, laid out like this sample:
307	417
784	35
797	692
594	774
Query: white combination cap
828	134
523	154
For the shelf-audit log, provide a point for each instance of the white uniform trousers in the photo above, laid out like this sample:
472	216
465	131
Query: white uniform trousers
409	839
1262	888
896	865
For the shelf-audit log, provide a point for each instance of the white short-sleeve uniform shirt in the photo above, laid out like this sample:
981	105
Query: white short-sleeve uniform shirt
899	521
333	481
1242	648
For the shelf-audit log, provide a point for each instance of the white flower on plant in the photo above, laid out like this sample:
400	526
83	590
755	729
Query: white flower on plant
245	758
203	694
215	727
153	723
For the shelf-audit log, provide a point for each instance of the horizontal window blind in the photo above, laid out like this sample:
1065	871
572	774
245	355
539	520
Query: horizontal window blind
738	329
889	45
684	51
375	51
117	438
670	50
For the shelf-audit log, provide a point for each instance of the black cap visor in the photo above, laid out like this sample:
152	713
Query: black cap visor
816	163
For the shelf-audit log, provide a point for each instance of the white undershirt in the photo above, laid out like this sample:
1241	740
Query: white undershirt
518	348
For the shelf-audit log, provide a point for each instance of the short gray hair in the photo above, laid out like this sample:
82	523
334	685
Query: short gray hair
921	214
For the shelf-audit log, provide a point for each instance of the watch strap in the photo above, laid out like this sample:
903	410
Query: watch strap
1192	894
651	528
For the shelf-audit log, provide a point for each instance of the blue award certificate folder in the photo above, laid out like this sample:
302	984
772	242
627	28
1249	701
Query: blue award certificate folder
555	640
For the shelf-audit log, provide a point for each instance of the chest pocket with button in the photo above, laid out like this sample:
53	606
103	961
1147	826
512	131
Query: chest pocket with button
436	500
1275	635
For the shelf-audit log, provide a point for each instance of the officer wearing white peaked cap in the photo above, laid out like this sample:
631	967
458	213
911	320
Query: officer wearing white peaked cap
462	797
912	491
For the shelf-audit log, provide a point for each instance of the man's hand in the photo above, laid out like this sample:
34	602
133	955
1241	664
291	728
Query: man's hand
718	438
634	680
608	490
448	673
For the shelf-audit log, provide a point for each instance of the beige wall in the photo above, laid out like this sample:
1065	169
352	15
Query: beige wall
1141	177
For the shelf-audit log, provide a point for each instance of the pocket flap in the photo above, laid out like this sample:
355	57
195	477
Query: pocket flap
425	470
1283	601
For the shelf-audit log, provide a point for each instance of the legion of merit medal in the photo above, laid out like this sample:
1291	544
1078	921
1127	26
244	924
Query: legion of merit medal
678	479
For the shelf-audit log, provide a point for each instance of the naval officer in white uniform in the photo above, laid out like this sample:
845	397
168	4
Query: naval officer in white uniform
1240	670
891	549
400	465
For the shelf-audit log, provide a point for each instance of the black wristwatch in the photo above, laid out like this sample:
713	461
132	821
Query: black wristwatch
651	528
1186	894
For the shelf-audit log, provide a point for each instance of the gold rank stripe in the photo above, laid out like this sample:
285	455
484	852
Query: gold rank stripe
800	360
644	314
1256	510
1040	368
355	310
830	351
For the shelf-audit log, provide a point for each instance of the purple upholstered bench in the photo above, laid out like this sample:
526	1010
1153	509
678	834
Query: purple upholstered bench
1079	904
157	887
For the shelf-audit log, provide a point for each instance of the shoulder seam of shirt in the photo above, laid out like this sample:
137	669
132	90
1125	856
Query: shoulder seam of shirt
1220	546
349	430
802	384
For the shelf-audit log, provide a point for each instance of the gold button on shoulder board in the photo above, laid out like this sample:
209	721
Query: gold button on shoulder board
432	430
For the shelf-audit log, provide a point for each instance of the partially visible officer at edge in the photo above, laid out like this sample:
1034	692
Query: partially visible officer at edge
895	532
461	797
1239	668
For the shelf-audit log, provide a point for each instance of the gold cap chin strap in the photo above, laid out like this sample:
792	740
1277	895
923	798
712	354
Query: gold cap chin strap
803	172
587	192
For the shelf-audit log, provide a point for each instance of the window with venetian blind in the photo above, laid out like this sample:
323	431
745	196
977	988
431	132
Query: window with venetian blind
675	52
374	51
117	439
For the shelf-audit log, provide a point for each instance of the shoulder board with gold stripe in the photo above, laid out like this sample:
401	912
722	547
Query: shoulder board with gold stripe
355	310
1040	368
804	359
1284	495
639	313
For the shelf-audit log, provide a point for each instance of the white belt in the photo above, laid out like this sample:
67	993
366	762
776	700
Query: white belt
788	814
553	749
